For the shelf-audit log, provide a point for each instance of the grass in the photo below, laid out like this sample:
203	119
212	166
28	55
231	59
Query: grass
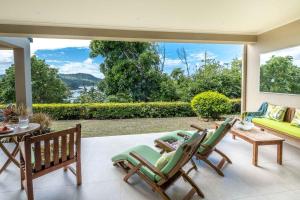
98	128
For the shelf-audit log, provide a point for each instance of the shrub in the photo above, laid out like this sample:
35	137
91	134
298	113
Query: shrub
235	106
115	110
211	104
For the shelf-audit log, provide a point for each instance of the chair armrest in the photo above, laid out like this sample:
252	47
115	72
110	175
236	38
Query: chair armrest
197	127
164	145
147	164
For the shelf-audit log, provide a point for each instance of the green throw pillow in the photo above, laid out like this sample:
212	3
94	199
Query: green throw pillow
164	159
275	112
296	119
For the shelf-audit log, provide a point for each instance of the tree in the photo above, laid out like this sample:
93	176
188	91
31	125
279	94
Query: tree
129	68
90	96
279	74
216	77
47	87
182	55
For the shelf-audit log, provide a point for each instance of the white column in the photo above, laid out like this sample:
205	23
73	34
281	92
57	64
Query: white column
23	75
244	80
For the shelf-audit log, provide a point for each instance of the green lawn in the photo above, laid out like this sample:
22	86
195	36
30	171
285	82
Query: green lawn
96	128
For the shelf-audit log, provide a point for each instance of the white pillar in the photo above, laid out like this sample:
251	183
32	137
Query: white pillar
244	80
23	75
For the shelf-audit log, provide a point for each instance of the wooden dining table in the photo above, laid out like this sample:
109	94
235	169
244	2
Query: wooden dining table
15	136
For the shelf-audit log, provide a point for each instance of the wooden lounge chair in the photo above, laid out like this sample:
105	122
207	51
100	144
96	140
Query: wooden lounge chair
140	160
206	148
46	153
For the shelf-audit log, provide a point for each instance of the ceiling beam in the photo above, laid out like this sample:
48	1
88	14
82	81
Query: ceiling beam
117	34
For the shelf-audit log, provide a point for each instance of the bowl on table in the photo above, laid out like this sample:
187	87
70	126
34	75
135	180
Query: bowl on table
245	125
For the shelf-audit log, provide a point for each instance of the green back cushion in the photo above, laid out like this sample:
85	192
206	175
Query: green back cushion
177	156
275	112
296	119
214	138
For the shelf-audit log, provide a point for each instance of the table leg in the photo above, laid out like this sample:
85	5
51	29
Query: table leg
255	154
11	156
14	154
279	153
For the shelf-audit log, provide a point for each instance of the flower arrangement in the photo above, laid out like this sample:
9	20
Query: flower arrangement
12	113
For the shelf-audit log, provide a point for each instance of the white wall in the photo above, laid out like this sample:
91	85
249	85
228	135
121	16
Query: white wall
280	38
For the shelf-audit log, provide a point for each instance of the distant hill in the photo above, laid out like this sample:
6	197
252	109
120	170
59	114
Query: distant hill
74	81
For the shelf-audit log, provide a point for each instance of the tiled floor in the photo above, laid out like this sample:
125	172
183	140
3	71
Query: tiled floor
101	180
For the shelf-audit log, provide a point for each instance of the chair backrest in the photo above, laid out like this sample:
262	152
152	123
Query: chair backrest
217	136
53	150
183	154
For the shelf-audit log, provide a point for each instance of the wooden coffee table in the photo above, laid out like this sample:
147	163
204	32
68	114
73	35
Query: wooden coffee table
258	137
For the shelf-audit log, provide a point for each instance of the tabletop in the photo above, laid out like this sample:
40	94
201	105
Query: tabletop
21	131
256	134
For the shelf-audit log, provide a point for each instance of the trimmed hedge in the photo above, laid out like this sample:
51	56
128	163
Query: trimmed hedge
116	110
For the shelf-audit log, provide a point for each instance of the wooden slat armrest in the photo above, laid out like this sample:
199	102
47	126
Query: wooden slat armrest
147	164
197	127
164	145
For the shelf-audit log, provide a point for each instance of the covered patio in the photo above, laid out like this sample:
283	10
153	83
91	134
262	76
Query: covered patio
101	180
265	28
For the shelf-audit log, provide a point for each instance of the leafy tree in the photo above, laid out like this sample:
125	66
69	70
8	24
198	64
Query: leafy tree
130	68
279	74
216	77
90	96
47	87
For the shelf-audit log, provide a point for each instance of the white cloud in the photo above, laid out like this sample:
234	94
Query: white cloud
294	52
172	62
47	43
201	55
87	67
6	60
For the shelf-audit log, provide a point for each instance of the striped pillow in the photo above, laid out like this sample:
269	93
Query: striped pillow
296	119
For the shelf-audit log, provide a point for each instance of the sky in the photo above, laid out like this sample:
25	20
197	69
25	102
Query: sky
72	56
293	51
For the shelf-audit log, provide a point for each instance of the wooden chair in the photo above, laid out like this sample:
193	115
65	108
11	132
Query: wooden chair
46	153
206	148
136	161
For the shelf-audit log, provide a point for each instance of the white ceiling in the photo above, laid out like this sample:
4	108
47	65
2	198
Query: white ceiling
200	16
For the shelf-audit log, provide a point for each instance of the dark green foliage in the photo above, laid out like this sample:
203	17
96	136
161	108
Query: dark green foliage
235	106
90	96
211	104
115	110
216	77
47	87
74	81
280	75
130	68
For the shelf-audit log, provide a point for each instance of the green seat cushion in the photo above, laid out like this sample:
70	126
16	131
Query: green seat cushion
152	156
284	127
146	152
